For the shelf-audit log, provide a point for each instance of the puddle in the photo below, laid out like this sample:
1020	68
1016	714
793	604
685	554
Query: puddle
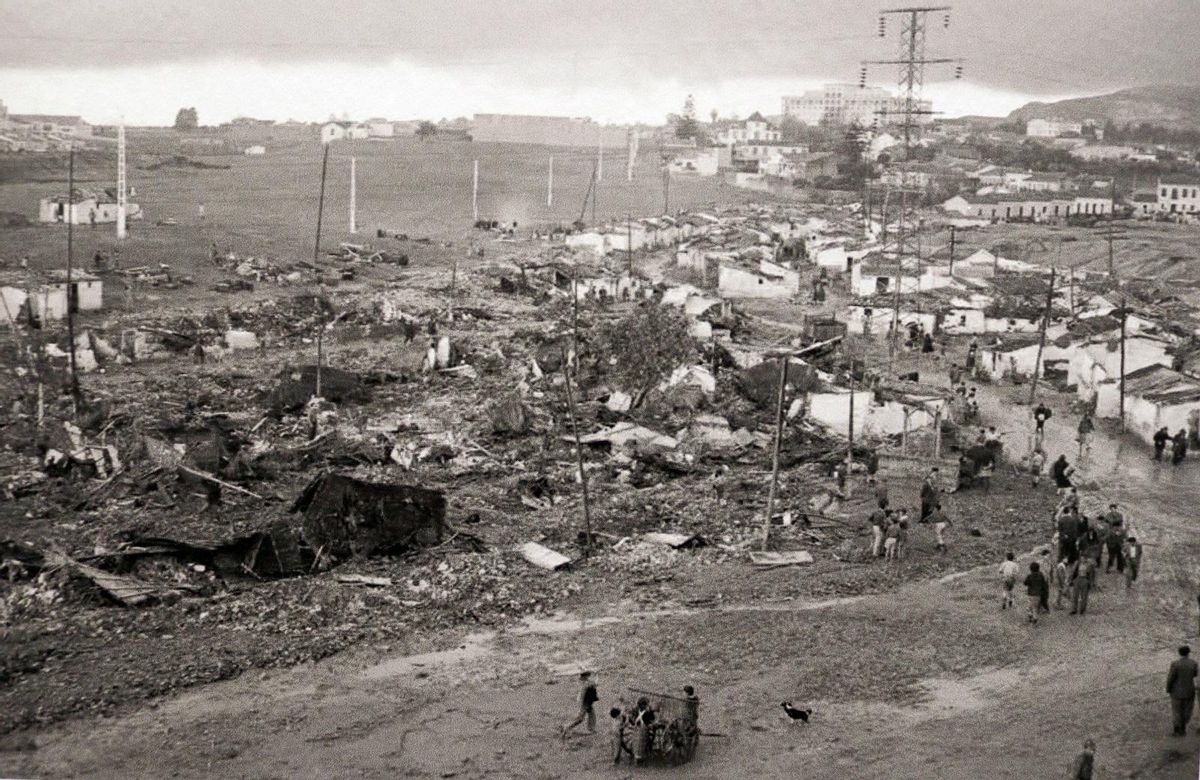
473	648
974	693
479	646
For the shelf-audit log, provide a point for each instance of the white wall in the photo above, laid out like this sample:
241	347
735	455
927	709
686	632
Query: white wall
737	283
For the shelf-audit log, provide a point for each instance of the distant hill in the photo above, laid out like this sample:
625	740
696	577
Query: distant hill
1174	106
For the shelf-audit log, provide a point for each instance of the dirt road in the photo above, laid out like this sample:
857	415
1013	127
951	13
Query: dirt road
933	680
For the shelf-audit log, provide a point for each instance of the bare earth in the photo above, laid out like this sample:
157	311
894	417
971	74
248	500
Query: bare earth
1001	699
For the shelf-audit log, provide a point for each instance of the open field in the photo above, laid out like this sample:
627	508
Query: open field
268	205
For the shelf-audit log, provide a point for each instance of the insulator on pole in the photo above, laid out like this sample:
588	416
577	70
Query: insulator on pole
958	71
946	20
882	27
862	77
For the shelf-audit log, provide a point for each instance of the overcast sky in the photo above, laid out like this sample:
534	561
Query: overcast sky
614	60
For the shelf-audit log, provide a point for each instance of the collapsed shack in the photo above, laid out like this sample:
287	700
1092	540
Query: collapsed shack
297	386
347	517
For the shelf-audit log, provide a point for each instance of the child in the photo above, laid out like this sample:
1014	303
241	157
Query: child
1035	585
1062	577
621	719
1037	461
1008	578
587	700
891	539
1132	552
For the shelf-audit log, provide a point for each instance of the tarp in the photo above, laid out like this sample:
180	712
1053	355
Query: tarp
543	557
349	517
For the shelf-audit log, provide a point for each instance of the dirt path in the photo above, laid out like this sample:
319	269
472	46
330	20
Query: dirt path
930	681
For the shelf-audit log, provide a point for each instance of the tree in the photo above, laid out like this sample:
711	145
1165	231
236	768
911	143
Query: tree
713	115
686	126
640	350
186	119
426	129
853	166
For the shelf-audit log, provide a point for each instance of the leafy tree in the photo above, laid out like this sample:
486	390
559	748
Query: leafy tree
853	167
186	119
686	126
426	129
640	350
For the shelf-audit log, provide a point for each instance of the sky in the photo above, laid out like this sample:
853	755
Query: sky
612	60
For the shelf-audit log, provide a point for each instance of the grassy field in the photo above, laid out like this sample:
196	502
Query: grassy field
268	205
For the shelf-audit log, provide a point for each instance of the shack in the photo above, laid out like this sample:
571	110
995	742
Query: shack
347	517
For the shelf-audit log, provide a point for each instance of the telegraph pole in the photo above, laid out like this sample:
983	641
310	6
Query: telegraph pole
600	157
1037	363
353	196
952	237
72	297
550	184
320	205
122	183
475	193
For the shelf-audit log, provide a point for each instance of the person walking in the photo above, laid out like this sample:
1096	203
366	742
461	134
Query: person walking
1181	687
1115	540
929	492
1068	536
1035	584
940	523
1040	415
1086	427
1085	762
587	706
1081	584
1008	580
879	520
1132	553
1179	447
1062	582
1061	471
1037	462
1161	437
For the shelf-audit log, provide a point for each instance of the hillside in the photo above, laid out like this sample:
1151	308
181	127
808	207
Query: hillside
1173	106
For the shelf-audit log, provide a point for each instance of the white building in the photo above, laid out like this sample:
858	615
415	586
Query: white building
755	128
253	151
336	131
84	209
842	104
1179	195
380	128
1094	152
1051	128
699	161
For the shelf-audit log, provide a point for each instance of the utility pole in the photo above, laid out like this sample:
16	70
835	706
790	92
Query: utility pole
353	195
72	296
1124	315
122	183
475	193
1037	363
666	190
633	151
953	232
587	507
600	157
629	242
550	184
783	375
320	205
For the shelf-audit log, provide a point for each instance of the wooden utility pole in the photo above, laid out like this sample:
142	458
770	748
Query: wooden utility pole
666	190
72	296
850	427
1037	364
953	236
475	193
892	345
587	507
783	374
320	359
353	198
1124	315
320	205
550	184
629	242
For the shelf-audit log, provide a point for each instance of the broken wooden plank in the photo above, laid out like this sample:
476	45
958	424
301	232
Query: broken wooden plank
793	558
364	579
677	541
544	557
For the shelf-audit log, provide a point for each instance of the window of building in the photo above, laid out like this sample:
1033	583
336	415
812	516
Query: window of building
1174	193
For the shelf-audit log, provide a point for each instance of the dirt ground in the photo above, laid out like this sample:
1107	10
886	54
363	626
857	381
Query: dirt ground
928	680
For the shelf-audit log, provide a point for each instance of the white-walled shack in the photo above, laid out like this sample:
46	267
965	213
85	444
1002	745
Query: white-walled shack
744	283
873	417
1094	362
83	209
12	306
86	291
1155	396
877	320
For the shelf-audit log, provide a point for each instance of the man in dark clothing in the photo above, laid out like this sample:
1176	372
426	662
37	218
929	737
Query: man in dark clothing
1035	585
1115	539
1081	584
1181	687
1040	415
1179	447
929	493
587	701
1061	471
1160	442
1068	534
1085	762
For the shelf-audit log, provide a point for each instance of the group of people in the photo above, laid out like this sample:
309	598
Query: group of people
1077	556
890	526
1178	442
633	725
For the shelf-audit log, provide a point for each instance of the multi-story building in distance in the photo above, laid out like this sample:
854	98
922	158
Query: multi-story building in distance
843	104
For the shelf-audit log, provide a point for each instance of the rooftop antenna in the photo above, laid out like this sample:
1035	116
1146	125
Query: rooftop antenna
121	182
